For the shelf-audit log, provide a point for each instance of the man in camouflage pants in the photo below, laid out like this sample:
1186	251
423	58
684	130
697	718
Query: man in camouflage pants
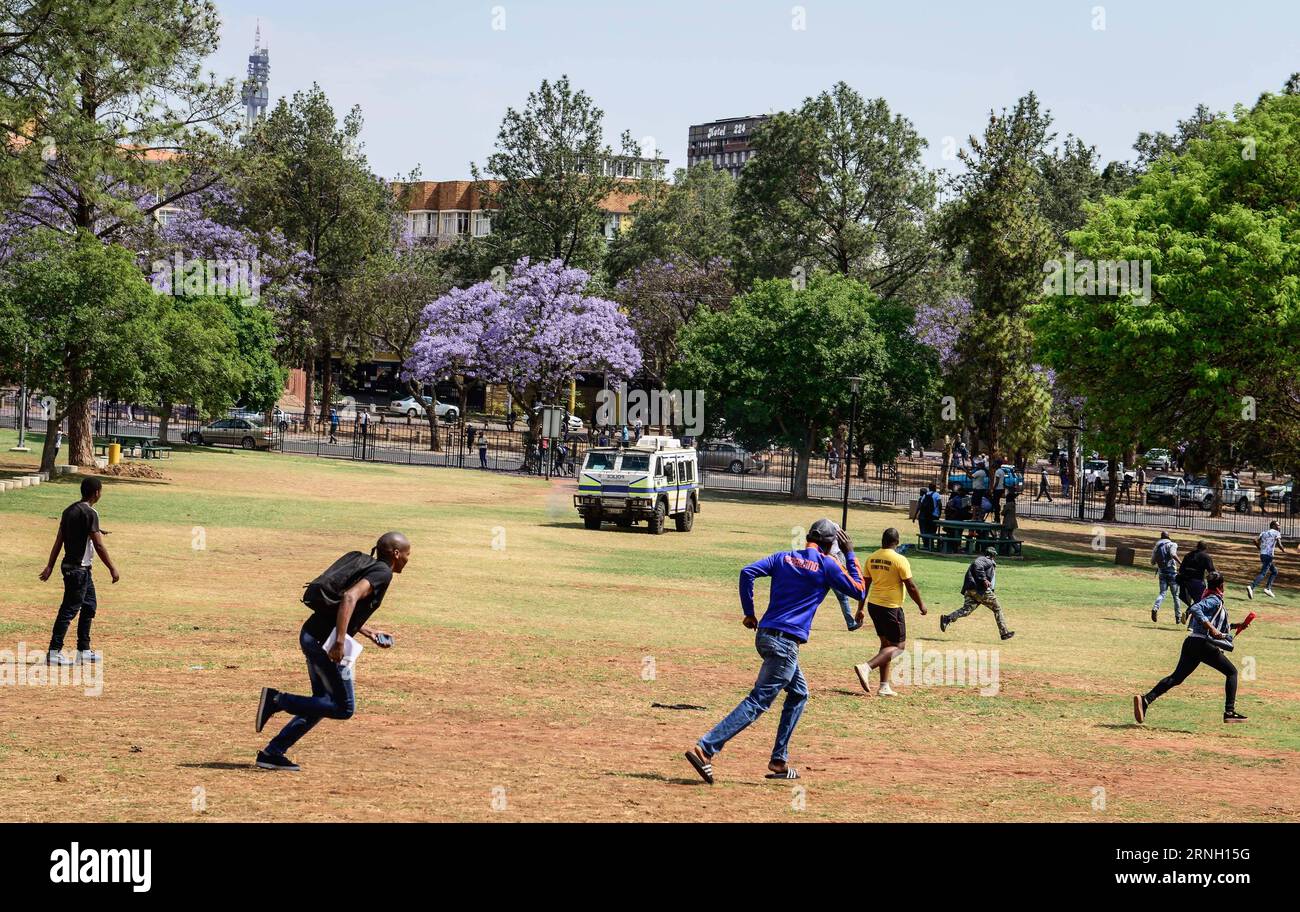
977	587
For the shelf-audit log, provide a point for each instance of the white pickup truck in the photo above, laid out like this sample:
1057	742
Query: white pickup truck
1198	493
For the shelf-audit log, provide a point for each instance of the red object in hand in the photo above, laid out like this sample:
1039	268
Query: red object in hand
1245	623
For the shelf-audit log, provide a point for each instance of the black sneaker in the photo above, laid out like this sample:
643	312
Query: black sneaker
1008	635
1140	705
1155	616
275	762
1233	716
943	622
266	707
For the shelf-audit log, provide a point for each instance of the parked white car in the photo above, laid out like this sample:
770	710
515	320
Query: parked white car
414	408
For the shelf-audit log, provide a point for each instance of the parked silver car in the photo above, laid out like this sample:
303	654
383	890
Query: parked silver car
722	455
243	432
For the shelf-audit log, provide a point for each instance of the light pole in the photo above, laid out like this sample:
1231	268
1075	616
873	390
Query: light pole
855	384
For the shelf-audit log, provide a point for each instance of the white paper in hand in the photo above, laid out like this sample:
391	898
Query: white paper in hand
351	648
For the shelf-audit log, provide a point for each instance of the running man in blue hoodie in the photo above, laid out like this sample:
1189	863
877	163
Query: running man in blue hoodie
800	580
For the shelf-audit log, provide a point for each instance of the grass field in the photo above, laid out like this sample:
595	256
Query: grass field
531	654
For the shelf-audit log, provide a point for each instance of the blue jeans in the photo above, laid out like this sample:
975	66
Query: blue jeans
780	671
1169	581
331	696
849	620
1267	571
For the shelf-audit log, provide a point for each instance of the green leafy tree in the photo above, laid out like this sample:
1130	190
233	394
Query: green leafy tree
199	358
256	340
837	184
1005	240
304	174
774	365
77	319
401	285
688	221
125	120
1211	360
548	180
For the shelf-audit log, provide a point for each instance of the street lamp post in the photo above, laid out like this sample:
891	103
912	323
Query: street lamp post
855	384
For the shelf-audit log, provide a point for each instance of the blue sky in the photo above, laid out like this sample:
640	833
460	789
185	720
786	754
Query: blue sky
433	78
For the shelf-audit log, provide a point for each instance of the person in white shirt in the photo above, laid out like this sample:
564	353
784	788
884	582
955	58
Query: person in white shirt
1268	541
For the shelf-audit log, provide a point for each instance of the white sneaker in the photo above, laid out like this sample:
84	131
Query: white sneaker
864	676
86	656
58	658
1250	592
1269	593
885	691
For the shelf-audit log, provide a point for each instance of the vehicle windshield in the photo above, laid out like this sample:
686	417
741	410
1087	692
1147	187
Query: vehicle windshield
1164	480
636	463
600	461
1095	464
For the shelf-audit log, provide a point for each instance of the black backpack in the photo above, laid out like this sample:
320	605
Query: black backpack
326	591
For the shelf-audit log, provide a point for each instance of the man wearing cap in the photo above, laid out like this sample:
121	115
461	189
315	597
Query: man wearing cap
800	580
977	588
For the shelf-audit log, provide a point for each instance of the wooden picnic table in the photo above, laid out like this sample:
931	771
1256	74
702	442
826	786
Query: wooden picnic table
968	535
147	444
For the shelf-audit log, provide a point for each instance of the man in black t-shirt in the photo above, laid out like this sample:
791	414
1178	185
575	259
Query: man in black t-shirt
80	540
1191	574
332	696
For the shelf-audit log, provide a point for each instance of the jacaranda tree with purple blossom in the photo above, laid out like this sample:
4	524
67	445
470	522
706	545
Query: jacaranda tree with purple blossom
534	335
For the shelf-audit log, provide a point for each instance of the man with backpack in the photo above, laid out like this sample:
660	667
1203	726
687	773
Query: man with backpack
928	512
342	600
1165	558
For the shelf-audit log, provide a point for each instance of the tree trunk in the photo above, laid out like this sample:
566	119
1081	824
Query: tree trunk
164	423
1214	475
48	453
803	459
945	465
1112	486
309	368
327	379
81	450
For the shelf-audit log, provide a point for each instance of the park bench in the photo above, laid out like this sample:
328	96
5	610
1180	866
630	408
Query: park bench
155	451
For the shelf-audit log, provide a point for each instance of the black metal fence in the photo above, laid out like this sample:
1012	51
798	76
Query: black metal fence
486	444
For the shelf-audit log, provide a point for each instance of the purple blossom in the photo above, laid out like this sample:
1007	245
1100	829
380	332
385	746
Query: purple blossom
939	325
534	336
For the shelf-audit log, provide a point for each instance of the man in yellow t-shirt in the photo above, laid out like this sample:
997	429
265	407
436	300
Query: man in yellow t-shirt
888	575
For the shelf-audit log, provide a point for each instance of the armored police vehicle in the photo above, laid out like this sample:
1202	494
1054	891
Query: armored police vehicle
651	480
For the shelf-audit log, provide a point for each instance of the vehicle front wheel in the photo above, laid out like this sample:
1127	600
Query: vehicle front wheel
657	519
685	520
195	438
410	413
1243	506
736	467
248	443
591	520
